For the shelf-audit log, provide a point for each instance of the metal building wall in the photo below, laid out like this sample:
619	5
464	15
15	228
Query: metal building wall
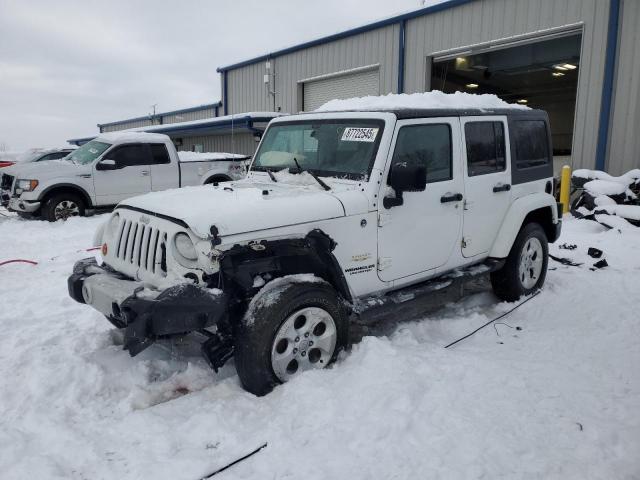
624	140
188	116
488	20
124	126
248	92
243	143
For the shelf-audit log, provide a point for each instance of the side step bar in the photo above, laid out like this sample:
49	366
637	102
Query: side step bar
376	307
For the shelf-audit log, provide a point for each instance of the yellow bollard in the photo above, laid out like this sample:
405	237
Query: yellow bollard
565	188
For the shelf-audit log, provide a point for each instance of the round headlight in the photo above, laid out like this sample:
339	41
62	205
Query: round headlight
185	247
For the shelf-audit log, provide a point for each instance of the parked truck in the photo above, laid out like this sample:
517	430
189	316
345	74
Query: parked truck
343	216
109	169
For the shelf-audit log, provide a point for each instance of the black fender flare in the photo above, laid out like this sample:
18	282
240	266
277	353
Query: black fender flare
66	186
310	254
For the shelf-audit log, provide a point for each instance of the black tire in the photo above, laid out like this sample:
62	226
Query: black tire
50	213
507	282
255	337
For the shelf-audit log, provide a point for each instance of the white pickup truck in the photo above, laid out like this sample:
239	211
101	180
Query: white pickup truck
109	169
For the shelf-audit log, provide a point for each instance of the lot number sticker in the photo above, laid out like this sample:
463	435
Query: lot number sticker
359	134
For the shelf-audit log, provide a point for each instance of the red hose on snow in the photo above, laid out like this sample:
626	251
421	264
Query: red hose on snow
18	260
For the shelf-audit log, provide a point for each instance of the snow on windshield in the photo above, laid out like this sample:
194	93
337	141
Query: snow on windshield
88	152
434	99
332	148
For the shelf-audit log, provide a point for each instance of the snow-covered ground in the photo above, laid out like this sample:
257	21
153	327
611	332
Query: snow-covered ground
559	398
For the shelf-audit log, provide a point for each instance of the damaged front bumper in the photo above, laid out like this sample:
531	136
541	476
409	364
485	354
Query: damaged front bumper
16	204
148	315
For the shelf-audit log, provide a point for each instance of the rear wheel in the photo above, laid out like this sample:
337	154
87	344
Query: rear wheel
287	330
62	206
526	267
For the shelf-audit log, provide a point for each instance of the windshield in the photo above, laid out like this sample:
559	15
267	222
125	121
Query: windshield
88	152
330	148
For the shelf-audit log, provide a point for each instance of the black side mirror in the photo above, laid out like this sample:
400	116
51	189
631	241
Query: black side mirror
405	178
107	165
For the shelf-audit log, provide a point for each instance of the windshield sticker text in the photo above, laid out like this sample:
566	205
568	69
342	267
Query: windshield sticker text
359	134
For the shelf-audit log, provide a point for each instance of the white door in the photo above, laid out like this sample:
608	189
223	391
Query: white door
131	177
422	233
487	181
164	173
359	84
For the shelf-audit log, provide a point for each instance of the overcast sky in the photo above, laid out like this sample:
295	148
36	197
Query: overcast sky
67	65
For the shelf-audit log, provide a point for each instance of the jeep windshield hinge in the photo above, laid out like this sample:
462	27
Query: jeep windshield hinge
383	219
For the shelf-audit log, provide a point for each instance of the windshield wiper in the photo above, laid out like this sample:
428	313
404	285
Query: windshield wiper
271	175
316	177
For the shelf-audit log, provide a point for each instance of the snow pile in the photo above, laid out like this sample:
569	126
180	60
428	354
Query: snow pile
208	156
428	100
604	195
557	399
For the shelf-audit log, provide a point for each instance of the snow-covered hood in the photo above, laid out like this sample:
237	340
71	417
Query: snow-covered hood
45	169
242	206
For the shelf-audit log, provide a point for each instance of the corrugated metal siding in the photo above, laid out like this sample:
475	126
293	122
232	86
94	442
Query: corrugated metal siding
242	143
124	126
624	141
248	92
188	116
487	20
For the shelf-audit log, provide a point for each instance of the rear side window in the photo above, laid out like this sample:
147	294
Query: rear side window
427	145
532	143
159	153
131	155
485	147
54	156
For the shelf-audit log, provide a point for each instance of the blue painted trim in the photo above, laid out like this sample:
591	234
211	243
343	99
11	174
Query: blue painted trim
354	31
607	84
401	55
225	94
238	123
172	112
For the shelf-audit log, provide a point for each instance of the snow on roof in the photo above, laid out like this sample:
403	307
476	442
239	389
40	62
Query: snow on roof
129	136
427	100
201	157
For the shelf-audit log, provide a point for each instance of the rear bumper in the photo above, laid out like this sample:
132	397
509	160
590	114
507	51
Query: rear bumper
143	314
15	204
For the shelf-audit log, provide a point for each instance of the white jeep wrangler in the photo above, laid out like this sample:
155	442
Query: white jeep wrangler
342	214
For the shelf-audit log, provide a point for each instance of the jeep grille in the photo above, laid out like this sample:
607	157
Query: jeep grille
142	246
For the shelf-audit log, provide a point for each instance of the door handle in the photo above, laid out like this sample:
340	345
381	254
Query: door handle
451	197
501	187
145	173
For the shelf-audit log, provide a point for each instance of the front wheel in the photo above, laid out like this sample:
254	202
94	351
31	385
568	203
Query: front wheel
288	329
526	267
62	206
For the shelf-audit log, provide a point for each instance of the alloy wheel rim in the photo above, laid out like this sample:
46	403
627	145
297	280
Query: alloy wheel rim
530	267
66	209
305	340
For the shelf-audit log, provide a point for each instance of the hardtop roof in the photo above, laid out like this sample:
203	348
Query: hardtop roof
409	113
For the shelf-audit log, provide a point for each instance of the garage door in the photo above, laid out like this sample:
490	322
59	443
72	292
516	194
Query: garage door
319	92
